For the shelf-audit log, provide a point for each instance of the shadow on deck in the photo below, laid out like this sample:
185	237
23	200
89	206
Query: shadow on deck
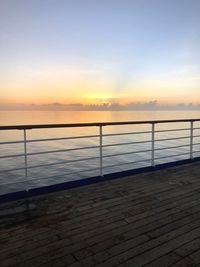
150	219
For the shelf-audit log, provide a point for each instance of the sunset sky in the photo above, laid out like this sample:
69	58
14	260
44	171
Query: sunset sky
93	51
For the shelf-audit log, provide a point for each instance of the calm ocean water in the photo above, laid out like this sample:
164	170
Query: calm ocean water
62	172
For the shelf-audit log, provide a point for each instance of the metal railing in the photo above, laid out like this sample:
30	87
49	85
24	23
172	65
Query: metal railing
101	146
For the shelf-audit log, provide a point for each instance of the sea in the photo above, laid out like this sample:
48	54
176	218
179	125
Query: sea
84	163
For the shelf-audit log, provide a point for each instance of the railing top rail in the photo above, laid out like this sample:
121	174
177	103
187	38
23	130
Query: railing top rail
71	125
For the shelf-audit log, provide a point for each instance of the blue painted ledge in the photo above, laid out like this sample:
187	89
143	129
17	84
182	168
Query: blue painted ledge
91	180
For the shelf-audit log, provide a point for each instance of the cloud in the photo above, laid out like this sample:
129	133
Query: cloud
150	105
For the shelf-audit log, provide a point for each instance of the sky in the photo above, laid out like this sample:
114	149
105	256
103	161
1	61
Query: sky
99	51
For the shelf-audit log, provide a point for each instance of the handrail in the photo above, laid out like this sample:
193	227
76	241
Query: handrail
150	142
92	124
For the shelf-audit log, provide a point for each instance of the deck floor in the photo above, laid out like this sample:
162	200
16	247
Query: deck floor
151	219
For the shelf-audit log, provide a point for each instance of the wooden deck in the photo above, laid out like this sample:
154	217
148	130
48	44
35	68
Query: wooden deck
150	219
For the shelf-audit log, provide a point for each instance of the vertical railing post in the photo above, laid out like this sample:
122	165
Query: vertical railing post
25	161
191	138
101	149
153	145
27	201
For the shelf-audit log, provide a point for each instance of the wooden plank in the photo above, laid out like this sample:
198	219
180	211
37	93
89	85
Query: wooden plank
147	220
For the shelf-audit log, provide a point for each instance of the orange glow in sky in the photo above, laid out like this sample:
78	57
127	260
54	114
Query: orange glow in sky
99	52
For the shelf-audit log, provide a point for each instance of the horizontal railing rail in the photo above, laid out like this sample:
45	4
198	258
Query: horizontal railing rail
71	125
152	140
